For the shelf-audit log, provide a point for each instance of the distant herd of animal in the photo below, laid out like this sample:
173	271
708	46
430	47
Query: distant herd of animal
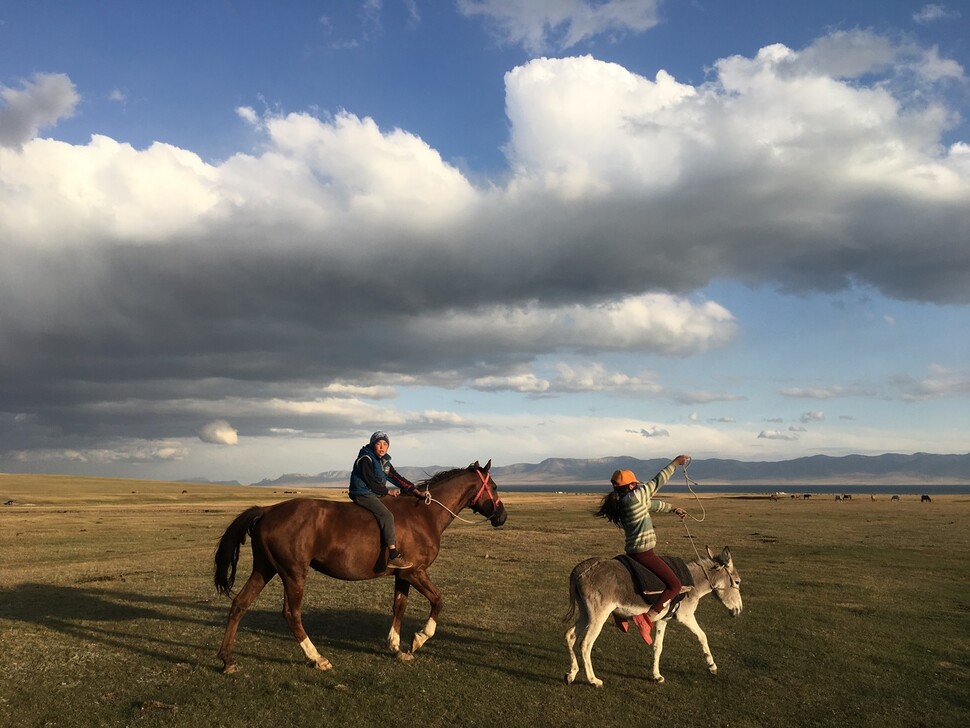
843	497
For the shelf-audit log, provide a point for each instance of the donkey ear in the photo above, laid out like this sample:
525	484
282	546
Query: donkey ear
487	466
726	555
710	553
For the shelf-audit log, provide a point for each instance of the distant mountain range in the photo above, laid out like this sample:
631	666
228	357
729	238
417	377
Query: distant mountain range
888	469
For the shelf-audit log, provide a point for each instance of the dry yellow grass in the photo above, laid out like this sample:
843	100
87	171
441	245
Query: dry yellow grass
855	614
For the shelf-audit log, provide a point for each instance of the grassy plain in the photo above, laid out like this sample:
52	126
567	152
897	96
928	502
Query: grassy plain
856	614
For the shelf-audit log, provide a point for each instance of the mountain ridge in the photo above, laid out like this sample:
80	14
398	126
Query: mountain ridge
885	469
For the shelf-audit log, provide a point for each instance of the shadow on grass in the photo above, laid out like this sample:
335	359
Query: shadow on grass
183	630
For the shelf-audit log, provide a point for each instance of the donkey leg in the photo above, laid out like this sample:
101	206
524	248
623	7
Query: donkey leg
658	648
593	629
293	614
690	621
578	629
419	579
401	589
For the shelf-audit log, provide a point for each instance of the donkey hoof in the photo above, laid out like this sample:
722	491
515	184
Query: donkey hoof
404	656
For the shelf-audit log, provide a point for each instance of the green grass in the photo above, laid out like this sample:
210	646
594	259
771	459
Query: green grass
855	614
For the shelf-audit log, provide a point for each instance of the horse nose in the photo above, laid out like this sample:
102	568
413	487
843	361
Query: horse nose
498	518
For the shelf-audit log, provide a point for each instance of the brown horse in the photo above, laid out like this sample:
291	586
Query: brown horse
342	540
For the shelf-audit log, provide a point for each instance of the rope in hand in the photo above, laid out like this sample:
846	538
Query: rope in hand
689	482
690	536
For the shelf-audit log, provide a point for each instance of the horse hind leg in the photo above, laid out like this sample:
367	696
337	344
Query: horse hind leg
293	614
262	573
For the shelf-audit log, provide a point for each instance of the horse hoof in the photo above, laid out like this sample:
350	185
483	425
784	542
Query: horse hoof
323	664
712	670
658	679
596	683
568	678
404	656
230	669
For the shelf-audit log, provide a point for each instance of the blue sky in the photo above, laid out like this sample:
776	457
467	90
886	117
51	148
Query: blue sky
237	237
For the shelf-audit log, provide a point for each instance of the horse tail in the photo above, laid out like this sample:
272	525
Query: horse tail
227	553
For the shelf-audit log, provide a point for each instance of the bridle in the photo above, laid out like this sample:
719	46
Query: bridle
496	502
473	502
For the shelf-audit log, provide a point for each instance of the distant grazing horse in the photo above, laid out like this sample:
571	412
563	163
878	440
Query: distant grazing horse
894	498
925	499
600	587
342	540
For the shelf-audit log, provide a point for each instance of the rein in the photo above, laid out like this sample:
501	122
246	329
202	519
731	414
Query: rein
428	499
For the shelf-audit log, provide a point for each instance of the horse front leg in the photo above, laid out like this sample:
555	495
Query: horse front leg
690	621
419	579
401	589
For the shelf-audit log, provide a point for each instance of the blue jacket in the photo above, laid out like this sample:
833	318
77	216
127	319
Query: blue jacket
382	471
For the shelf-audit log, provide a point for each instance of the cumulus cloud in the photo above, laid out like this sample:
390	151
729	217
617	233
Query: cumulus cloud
933	12
939	382
177	291
814	416
219	432
129	452
40	102
777	435
653	431
542	25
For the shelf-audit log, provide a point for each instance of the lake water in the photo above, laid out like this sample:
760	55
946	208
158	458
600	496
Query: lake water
670	488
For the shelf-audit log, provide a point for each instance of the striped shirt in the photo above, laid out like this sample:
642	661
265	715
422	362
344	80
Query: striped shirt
637	505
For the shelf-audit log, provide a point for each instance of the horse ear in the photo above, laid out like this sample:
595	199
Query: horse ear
474	466
487	466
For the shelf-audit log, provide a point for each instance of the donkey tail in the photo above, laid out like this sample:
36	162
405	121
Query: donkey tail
573	594
227	553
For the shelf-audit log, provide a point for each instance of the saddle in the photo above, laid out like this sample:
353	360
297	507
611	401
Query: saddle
648	585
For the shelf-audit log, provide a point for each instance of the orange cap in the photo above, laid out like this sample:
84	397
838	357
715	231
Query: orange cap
623	477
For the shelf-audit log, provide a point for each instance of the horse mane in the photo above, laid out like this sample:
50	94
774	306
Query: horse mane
610	509
444	475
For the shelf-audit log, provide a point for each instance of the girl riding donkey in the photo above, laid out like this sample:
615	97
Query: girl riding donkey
629	506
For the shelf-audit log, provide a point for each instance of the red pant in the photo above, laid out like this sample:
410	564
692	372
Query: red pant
659	567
